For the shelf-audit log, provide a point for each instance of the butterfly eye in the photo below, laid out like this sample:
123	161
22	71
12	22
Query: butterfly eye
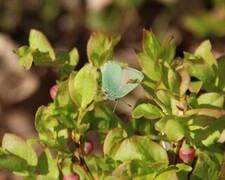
105	92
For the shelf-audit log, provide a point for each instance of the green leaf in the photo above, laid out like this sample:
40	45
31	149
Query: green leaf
115	135
148	111
150	45
167	175
206	167
199	121
195	86
27	58
42	58
47	165
135	169
51	131
149	57
20	148
43	177
221	71
64	108
3	151
81	172
211	99
102	166
214	131
66	62
100	48
102	119
153	53
37	40
174	130
183	171
83	86
167	50
122	148
81	129
205	51
146	127
171	78
197	67
161	124
216	113
13	163
206	24
192	101
149	67
169	101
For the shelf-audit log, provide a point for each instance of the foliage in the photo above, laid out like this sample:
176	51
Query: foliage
184	102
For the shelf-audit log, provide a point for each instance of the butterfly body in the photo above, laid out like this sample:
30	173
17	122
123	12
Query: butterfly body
117	81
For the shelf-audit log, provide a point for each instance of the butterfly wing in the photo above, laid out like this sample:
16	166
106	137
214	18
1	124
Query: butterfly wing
128	81
111	79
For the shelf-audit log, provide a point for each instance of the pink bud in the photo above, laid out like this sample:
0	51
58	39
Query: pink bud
87	147
53	91
71	177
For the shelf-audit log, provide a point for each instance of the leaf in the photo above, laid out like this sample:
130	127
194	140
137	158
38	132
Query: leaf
47	165
145	127
43	177
80	172
206	167
197	67
64	108
114	136
174	130
167	175
148	111
102	118
100	48
136	147
171	79
27	59
42	58
103	165
195	86
185	81
149	66
216	113
205	51
13	163
135	169
51	131
211	99
150	45
20	148
214	131
169	101
153	53
66	62
83	86
200	121
221	71
161	124
167	50
37	40
183	171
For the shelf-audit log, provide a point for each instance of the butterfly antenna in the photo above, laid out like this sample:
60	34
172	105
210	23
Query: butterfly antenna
115	105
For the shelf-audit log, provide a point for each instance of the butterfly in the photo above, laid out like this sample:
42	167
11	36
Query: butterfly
117	82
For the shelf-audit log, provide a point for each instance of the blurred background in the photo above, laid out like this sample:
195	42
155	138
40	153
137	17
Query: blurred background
69	23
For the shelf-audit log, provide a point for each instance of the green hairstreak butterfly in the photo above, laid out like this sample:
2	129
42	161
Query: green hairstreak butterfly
117	81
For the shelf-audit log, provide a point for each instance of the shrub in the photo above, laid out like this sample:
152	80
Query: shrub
184	102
